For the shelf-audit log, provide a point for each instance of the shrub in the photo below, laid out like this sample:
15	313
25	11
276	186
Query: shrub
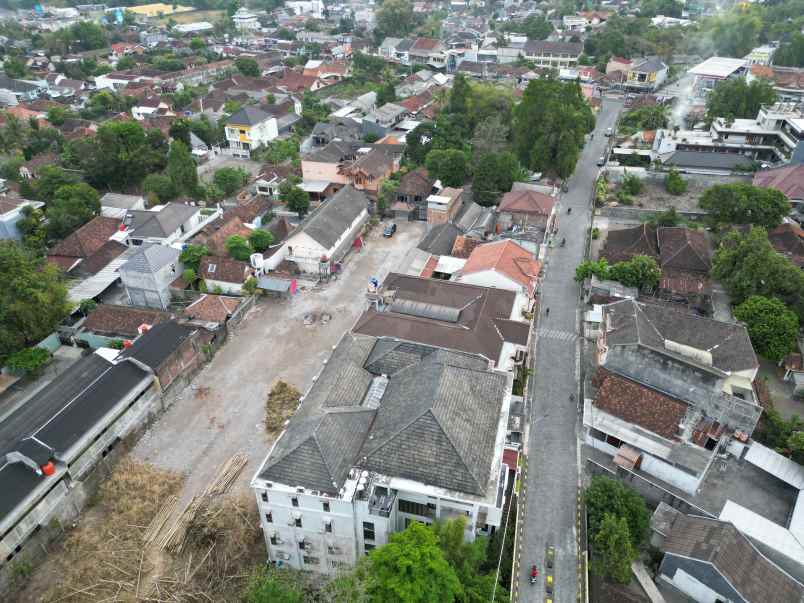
674	183
632	184
29	361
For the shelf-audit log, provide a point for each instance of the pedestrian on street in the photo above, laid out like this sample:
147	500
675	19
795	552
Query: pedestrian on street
547	312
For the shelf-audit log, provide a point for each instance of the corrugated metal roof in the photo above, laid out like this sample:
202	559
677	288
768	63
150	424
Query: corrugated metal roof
763	530
777	465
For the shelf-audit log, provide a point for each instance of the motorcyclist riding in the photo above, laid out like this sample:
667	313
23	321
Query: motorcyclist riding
534	573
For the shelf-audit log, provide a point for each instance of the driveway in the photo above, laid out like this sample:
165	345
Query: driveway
207	426
550	488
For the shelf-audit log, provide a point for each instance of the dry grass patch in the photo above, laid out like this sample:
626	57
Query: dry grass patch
283	399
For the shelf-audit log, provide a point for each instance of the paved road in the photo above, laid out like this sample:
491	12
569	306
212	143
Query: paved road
551	483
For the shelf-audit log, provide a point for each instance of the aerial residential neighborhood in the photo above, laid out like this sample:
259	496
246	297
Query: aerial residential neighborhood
402	301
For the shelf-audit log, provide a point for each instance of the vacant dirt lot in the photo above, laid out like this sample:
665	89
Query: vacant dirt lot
222	412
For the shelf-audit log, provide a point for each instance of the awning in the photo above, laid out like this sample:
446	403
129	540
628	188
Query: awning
98	283
314	186
626	457
777	465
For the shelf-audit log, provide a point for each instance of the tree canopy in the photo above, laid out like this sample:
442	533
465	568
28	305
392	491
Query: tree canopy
449	166
612	549
73	206
230	180
394	18
743	203
747	265
772	326
247	66
736	99
790	53
608	496
411	568
181	169
295	198
33	299
549	126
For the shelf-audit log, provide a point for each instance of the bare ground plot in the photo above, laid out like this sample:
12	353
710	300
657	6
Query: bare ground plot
223	411
654	196
781	391
206	171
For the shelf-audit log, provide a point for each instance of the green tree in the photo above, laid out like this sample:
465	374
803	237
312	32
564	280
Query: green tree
121	155
87	36
589	268
33	299
613	551
247	66
230	180
158	187
86	306
180	130
189	276
386	195
449	166
674	183
411	568
640	271
605	495
197	44
73	206
260	239
192	254
295	199
181	168
125	63
386	94
15	67
644	118
550	125
734	34
29	361
494	175
790	53
747	264
238	248
52	178
536	28
394	18
32	228
735	99
772	326
632	184
58	115
459	95
744	204
419	142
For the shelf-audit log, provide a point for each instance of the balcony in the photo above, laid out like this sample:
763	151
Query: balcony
382	504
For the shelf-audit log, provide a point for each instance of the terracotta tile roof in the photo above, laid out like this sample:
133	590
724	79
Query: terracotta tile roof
425	44
122	321
416	182
294	81
788	239
212	308
684	249
101	258
214	235
788	180
429	267
85	241
464	246
416	103
637	404
507	258
526	201
625	243
781	77
223	269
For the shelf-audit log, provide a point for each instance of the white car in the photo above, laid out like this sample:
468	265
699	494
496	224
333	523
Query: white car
609	132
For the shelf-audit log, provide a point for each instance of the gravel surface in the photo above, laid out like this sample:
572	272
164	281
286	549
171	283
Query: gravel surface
221	413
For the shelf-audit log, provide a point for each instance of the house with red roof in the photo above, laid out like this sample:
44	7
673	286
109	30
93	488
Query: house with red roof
503	265
789	180
525	207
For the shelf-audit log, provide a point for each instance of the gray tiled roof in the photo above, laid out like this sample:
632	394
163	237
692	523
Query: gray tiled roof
160	223
327	223
249	116
436	422
651	325
151	258
440	239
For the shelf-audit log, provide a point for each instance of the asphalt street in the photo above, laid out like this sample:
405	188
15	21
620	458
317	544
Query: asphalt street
550	485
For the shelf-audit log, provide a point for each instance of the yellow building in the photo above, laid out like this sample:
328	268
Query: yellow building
158	9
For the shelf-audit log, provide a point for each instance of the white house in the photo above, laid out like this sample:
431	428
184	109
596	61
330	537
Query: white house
165	224
244	20
327	233
314	8
224	275
378	443
250	128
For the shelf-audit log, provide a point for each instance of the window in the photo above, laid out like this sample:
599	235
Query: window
275	539
369	548
328	526
298	522
264	496
414	508
294	501
302	544
211	268
368	530
269	517
326	506
308	560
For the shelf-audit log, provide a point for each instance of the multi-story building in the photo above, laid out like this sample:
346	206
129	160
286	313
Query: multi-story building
428	51
772	136
552	54
672	390
245	21
390	432
645	75
250	128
